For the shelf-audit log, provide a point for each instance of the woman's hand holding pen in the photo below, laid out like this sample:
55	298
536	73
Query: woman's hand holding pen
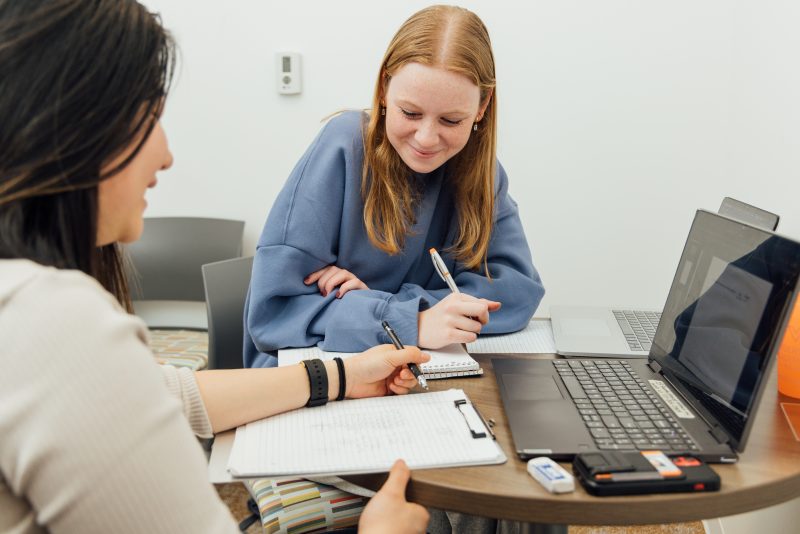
382	370
457	318
330	277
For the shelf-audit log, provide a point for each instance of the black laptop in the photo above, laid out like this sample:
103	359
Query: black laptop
698	390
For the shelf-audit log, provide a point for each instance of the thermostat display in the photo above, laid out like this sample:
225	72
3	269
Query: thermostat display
288	75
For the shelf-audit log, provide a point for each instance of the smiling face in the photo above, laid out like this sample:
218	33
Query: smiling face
121	197
429	114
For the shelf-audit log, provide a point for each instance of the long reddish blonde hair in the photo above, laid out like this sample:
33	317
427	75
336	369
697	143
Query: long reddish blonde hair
455	39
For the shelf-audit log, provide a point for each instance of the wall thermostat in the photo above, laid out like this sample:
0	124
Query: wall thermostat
288	73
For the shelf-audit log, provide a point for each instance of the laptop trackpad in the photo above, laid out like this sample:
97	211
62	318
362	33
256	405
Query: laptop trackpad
531	387
585	327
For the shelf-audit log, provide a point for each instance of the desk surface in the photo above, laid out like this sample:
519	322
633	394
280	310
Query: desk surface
767	473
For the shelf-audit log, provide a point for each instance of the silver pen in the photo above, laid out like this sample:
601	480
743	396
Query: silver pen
399	346
441	268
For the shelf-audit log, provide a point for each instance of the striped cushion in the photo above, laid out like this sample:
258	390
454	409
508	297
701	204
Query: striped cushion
295	505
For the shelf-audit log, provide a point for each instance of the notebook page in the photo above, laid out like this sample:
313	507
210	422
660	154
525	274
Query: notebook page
295	356
447	359
360	436
536	338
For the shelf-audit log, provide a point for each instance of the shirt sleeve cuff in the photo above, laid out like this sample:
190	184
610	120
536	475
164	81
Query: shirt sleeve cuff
404	318
182	385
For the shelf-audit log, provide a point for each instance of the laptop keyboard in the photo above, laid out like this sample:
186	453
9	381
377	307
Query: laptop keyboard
619	410
639	327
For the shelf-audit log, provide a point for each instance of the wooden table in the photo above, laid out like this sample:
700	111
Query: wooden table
767	473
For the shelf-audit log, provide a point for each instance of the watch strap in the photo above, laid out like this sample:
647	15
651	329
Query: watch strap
318	382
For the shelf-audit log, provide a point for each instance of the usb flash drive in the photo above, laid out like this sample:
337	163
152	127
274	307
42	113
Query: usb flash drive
552	476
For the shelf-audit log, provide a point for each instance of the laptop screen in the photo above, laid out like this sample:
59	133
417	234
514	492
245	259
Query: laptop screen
723	316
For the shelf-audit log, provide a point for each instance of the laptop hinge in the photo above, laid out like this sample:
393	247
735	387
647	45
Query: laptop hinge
654	366
719	434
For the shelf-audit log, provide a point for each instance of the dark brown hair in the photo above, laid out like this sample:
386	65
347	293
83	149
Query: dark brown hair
81	82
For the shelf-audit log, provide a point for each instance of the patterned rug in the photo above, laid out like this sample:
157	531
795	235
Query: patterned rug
181	348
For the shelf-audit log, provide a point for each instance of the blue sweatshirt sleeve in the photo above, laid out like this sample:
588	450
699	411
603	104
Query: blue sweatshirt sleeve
514	280
301	236
284	312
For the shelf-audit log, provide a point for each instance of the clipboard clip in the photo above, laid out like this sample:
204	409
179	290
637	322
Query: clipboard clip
475	421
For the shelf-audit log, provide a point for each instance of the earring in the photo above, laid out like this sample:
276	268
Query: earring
383	110
475	127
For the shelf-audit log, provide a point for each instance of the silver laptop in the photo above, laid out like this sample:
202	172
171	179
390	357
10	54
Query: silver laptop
623	332
603	332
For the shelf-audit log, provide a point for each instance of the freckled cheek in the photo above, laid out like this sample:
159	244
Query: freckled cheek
398	141
399	128
456	141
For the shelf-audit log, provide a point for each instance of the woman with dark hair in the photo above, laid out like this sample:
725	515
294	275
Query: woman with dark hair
92	440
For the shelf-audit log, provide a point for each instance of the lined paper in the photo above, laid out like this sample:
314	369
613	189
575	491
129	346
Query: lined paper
295	356
427	430
536	338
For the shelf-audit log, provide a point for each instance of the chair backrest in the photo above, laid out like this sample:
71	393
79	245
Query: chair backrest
171	251
226	284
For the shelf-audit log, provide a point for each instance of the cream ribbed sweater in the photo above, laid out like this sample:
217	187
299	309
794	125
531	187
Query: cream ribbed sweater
91	440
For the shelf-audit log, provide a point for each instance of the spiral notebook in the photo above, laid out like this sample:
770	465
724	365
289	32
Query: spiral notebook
449	361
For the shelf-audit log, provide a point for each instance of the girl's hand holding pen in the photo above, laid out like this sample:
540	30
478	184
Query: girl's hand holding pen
382	370
457	318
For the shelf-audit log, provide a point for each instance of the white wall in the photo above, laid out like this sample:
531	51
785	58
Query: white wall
616	118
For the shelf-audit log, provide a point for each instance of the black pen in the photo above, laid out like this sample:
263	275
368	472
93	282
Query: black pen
399	346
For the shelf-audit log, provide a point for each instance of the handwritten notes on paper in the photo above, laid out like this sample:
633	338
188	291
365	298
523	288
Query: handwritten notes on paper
362	436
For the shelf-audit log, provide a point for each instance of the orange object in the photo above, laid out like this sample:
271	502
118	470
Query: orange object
789	357
686	461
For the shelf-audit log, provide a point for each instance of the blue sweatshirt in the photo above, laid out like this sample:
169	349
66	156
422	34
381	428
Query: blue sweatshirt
317	220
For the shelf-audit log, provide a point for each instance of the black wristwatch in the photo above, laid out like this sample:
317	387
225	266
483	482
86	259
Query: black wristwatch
318	380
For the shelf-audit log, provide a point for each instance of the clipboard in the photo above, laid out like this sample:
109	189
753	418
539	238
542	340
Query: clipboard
427	430
478	426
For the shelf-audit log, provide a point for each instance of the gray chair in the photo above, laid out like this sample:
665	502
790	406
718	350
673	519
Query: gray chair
226	284
166	281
